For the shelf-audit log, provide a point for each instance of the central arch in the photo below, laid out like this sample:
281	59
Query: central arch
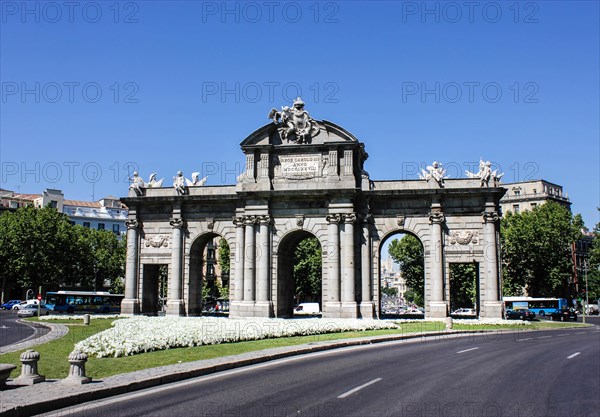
285	272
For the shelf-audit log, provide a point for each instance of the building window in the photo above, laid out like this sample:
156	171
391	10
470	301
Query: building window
116	228
535	190
517	192
100	226
53	203
72	222
86	224
516	208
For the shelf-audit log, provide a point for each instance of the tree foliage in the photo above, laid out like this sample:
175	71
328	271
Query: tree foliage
40	247
593	272
536	250
224	256
307	270
408	253
463	286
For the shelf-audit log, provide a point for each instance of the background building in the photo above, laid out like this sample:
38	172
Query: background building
526	195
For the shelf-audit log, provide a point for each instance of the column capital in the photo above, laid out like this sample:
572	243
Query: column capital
177	223
436	217
490	216
264	219
132	224
349	217
249	220
333	218
238	221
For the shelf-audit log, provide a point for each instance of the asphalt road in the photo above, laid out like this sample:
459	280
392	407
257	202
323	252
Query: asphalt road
12	330
523	373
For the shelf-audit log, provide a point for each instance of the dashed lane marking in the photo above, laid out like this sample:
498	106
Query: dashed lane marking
352	391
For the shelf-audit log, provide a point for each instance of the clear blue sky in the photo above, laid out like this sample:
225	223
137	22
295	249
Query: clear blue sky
91	90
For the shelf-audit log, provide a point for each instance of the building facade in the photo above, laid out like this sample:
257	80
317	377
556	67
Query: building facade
306	178
526	195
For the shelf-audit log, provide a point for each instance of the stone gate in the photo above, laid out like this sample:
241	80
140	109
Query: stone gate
307	178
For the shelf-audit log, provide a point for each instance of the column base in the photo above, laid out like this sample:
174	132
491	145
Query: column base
491	310
367	310
263	309
437	310
235	309
332	310
175	308
349	310
130	306
29	379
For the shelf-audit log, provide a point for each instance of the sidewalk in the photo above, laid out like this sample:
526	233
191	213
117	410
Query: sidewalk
56	394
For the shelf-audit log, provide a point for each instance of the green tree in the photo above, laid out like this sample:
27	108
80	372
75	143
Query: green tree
408	253
536	250
307	270
224	256
593	272
462	285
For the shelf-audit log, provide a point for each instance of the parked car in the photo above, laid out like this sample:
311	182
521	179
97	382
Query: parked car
31	310
25	303
522	314
565	314
464	312
10	304
592	310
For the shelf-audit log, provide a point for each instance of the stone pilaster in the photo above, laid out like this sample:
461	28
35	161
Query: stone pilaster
237	295
348	293
491	303
249	259
131	302
437	306
263	284
332	303
366	303
175	303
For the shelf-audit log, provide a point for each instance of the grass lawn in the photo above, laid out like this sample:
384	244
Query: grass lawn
53	363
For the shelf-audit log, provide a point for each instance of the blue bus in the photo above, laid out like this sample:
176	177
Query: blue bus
540	306
84	302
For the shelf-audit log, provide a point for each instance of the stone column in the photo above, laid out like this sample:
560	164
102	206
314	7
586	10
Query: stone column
239	259
332	303
348	293
263	284
366	303
492	306
175	303
437	306
249	259
131	302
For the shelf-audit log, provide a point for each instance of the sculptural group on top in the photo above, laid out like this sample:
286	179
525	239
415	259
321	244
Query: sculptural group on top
295	124
180	183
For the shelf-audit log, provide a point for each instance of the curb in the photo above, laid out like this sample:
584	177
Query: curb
57	330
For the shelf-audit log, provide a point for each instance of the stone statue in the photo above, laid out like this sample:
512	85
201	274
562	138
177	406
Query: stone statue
137	183
152	183
180	182
485	174
295	123
434	171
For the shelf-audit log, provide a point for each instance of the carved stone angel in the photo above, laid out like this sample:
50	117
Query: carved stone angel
485	174
434	171
296	124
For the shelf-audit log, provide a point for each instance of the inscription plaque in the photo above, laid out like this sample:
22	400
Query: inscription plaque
300	166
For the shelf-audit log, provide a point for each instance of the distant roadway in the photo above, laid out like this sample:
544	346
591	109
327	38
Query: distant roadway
521	373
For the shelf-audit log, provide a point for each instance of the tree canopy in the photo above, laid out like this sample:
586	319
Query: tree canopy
40	247
536	250
307	270
408	253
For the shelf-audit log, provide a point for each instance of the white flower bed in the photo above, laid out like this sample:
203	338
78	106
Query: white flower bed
80	316
145	334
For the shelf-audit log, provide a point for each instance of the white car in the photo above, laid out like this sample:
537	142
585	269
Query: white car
31	310
307	308
24	303
464	312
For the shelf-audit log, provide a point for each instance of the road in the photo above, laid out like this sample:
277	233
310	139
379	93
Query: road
522	373
12	330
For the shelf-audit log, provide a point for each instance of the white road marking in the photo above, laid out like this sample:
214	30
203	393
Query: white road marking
544	337
581	333
527	338
573	355
352	391
467	350
564	334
